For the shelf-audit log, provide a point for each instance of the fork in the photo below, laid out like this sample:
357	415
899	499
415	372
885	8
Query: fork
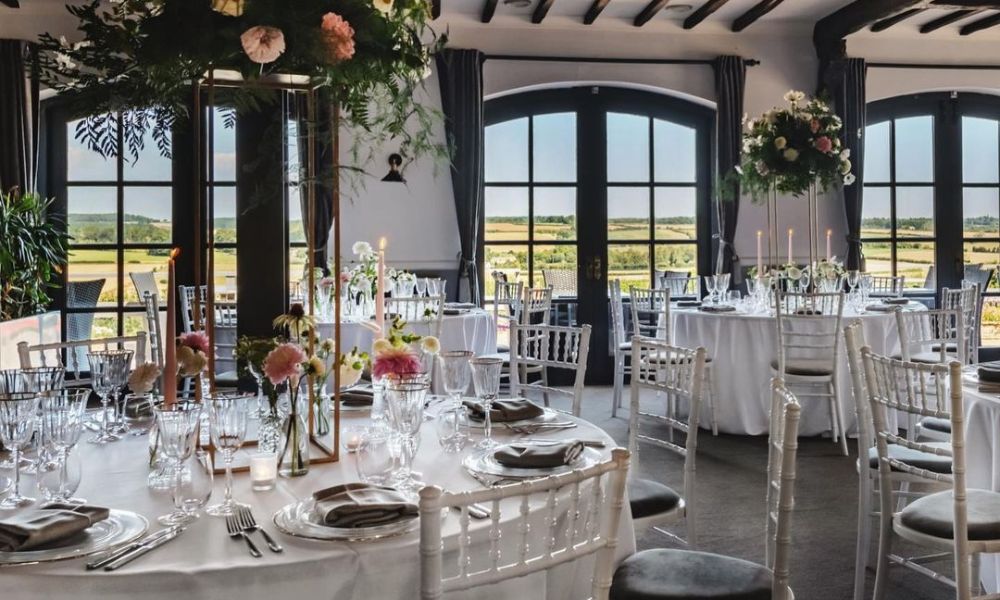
236	531
532	429
250	525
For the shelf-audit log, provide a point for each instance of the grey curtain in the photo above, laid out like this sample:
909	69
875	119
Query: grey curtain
460	74
18	118
730	81
320	227
843	81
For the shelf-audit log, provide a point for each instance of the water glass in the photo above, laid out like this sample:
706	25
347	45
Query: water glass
62	414
59	478
455	372
176	426
227	418
711	282
405	401
722	283
453	428
17	424
376	459
486	381
434	287
421	284
193	488
108	371
138	412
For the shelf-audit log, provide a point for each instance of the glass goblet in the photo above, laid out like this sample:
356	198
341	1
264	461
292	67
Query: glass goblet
376	459
227	418
722	284
711	281
107	369
456	373
486	381
405	401
421	284
176	426
17	424
62	415
59	478
453	429
194	487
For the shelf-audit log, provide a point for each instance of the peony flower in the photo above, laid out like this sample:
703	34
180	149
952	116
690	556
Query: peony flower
430	344
195	340
383	6
263	44
349	376
791	154
794	96
814	125
338	35
284	362
233	8
845	154
143	377
362	249
190	362
845	167
780	142
849	179
823	144
396	362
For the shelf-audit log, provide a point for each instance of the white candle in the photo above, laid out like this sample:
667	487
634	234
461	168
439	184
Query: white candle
829	255
760	260
263	471
380	289
790	233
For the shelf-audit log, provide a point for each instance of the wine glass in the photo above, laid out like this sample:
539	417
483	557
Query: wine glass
39	380
62	415
105	368
434	287
804	281
176	426
138	413
58	480
194	487
119	379
405	400
421	284
722	284
456	373
227	417
17	423
711	282
453	428
486	381
376	462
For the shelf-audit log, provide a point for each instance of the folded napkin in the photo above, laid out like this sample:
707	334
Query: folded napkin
357	397
35	528
897	301
880	307
354	505
501	411
688	303
989	372
717	308
529	456
459	305
454	311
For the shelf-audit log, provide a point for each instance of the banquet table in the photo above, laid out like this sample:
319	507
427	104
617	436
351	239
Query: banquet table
742	346
204	563
982	441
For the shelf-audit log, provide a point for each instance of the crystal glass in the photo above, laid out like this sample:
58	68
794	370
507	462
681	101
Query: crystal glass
262	405
455	373
193	488
722	284
108	371
486	380
62	414
376	459
421	284
227	418
453	428
17	424
39	380
176	426
711	282
405	401
433	287
59	478
804	281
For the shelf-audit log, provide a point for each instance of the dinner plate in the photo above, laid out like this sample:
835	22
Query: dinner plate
121	527
357	407
300	519
484	463
548	416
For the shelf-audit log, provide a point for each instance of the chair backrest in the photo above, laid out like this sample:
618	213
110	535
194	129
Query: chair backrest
592	500
562	281
144	282
969	300
549	347
507	294
153	331
854	340
428	311
780	496
186	295
937	332
536	306
979	275
885	285
617	314
52	354
809	327
680	285
650	312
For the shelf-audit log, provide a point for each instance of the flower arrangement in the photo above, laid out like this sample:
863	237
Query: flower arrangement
363	278
829	269
400	353
142	379
296	322
789	149
192	353
286	365
352	366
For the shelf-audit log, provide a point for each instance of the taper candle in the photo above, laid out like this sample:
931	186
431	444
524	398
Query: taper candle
380	289
760	260
829	255
790	234
170	341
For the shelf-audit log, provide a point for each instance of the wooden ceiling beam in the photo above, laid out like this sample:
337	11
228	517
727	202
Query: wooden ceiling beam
887	23
594	11
948	19
965	4
541	10
757	11
489	9
830	31
649	12
703	12
981	24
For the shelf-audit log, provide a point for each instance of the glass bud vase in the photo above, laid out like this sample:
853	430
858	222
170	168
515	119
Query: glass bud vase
270	429
294	461
321	410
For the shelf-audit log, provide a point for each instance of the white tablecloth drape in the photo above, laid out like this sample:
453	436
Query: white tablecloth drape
742	347
982	452
204	563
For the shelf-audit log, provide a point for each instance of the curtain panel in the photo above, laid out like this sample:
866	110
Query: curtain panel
730	81
323	144
18	119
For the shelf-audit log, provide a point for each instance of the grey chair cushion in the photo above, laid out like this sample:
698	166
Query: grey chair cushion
921	460
936	424
668	574
625	346
647	498
934	515
929	358
503	348
805	367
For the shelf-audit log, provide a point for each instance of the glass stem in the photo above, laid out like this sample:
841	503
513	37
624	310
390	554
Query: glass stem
229	476
63	472
104	414
16	451
488	425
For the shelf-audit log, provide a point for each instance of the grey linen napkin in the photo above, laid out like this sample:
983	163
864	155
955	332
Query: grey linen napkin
501	411
353	505
35	528
529	456
357	397
989	372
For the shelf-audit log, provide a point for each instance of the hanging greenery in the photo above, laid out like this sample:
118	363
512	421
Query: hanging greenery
139	58
32	255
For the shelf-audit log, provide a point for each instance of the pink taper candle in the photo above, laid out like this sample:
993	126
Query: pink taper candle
380	290
829	255
170	340
790	233
760	260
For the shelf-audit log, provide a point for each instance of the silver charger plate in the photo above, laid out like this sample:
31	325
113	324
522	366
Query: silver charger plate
121	527
548	416
299	519
483	463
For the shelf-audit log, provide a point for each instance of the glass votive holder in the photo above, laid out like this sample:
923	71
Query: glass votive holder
351	437
263	471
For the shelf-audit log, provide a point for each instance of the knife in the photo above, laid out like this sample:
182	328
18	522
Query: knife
543	442
141	550
116	554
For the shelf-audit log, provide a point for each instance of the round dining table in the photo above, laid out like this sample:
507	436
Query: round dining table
982	452
742	345
205	563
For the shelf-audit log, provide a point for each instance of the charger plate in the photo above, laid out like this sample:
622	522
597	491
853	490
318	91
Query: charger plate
482	462
121	527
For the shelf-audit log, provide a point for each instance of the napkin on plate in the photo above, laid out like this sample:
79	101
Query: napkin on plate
37	527
989	372
688	303
880	307
357	397
354	505
460	305
529	456
720	308
895	301
502	411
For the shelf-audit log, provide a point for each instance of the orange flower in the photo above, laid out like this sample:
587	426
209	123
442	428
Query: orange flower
338	35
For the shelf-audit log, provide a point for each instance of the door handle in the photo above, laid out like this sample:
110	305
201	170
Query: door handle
594	269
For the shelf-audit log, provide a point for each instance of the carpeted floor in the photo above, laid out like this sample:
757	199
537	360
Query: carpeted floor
731	484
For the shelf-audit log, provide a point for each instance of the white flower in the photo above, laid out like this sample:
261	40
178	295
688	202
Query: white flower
845	154
793	272
143	378
791	154
849	179
780	142
430	345
383	6
65	62
81	45
761	168
326	345
362	249
381	345
349	375
845	167
794	96
63	42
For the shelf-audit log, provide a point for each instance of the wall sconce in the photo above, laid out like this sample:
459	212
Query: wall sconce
395	162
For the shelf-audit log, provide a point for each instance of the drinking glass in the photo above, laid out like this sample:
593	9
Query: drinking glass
456	374
119	379
107	368
376	459
734	297
176	426
486	381
262	406
405	401
58	479
711	281
421	284
227	417
39	380
17	423
804	281
194	487
434	287
138	412
453	428
722	283
62	415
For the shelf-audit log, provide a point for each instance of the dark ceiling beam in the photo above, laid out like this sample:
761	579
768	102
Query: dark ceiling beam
489	9
594	11
11	3
948	19
980	25
887	23
703	12
649	12
541	10
830	31
965	4
759	10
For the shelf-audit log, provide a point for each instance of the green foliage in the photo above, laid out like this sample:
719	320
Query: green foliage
32	254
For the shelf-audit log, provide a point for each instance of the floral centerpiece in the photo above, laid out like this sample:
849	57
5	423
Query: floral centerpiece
363	277
250	354
143	378
285	365
401	353
296	322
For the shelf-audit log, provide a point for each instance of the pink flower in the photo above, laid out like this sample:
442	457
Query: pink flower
195	340
326	281
263	44
814	125
823	144
283	362
397	362
338	35
345	277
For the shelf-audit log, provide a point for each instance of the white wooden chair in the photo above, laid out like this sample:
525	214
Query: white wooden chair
931	336
64	354
675	573
808	348
534	308
621	345
542	347
681	286
154	333
678	373
506	303
428	311
593	496
968	300
185	294
963	522
885	285
144	282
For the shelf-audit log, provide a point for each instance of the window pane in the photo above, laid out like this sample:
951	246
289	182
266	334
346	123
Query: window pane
913	261
877	152
224	140
673	152
555	147
148	216
151	164
225	215
225	274
85	326
628	147
92	214
296	230
83	164
509	260
980	143
915	212
628	213
630	264
675	211
85	271
876	216
915	149
506	214
555	213
297	258
507	151
677	257
984	254
144	261
991	322
556	266
981	210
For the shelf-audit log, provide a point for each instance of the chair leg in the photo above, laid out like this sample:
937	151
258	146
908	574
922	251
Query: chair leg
838	421
884	548
974	578
710	386
616	396
545	382
864	530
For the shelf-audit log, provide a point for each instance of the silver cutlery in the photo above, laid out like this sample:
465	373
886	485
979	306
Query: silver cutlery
120	552
236	531
544	442
250	525
530	429
135	553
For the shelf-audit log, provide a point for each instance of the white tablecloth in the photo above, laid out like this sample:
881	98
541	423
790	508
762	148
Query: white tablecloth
742	347
204	563
982	452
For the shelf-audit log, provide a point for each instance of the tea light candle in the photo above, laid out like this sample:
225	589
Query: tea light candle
263	471
353	435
